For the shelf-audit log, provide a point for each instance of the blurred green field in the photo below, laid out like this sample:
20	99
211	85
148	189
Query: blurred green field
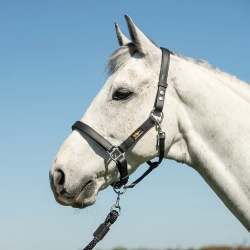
202	248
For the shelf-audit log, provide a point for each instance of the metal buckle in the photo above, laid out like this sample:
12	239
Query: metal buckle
115	153
161	116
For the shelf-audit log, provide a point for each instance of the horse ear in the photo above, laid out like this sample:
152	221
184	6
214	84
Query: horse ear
122	40
143	44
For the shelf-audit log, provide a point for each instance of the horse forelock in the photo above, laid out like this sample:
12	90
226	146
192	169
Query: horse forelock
121	56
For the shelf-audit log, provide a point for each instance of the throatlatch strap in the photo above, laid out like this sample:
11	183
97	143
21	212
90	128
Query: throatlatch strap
152	165
162	84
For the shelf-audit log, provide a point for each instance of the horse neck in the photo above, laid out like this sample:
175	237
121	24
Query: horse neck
214	127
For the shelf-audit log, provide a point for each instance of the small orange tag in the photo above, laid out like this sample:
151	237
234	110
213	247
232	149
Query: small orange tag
137	133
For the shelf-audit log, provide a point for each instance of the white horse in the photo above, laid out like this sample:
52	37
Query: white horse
206	120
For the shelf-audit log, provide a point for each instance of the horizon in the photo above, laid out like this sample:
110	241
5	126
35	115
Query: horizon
53	55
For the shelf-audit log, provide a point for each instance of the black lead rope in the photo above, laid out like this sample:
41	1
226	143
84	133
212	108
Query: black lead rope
102	230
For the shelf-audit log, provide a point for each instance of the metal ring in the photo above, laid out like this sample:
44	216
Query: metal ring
118	191
159	121
116	207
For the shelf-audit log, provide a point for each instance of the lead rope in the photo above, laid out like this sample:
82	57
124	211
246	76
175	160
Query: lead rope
103	229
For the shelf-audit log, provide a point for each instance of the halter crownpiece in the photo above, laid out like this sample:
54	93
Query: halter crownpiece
117	153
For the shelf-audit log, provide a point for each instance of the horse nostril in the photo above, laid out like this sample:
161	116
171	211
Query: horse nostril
62	179
59	181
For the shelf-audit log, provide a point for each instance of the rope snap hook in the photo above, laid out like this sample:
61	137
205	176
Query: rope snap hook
117	203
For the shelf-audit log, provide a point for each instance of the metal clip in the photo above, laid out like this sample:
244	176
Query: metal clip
117	203
118	191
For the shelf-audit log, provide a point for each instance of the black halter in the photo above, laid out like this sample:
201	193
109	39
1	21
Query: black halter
117	153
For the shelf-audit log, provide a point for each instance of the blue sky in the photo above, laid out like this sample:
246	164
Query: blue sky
52	59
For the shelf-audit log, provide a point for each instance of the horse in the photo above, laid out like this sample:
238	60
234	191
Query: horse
206	120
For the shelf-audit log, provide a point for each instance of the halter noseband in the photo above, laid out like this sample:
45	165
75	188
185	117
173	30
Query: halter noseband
117	153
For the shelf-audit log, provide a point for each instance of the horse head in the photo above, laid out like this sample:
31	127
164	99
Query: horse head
82	167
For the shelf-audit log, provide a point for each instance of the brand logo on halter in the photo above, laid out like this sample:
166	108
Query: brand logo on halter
137	133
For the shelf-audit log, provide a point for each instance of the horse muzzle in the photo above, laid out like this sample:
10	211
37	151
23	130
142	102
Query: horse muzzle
78	195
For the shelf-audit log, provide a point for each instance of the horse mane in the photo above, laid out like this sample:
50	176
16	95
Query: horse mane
223	76
124	53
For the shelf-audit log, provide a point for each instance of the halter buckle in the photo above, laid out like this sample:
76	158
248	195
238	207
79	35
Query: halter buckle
115	153
158	118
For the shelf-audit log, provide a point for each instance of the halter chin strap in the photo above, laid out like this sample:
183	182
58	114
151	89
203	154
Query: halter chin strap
117	153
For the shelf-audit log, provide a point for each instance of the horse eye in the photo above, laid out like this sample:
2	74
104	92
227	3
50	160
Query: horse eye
121	94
